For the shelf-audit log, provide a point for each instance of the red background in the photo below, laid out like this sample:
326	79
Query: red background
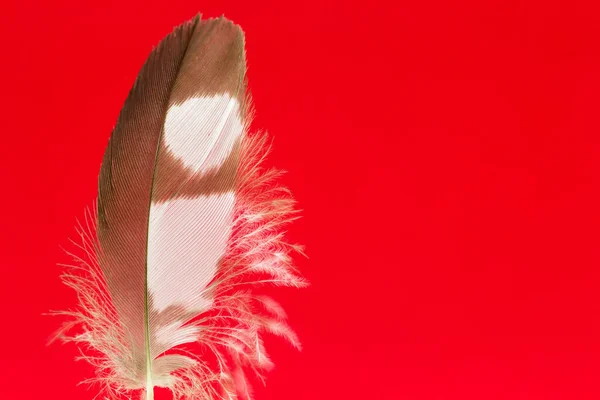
445	155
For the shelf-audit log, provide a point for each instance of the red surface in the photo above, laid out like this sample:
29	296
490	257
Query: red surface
446	155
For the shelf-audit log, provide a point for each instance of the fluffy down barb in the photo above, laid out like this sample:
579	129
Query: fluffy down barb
229	334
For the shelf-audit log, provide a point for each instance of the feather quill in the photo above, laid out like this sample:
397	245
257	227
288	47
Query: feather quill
187	224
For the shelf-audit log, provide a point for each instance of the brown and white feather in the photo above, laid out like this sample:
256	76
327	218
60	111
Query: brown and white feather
187	224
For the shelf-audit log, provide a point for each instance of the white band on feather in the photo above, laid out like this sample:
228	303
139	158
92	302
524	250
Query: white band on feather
187	238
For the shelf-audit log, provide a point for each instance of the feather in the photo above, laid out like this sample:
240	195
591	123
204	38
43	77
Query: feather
187	225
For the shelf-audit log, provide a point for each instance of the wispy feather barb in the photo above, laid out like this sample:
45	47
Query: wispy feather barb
187	224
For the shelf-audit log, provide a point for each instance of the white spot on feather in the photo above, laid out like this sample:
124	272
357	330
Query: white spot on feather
202	131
